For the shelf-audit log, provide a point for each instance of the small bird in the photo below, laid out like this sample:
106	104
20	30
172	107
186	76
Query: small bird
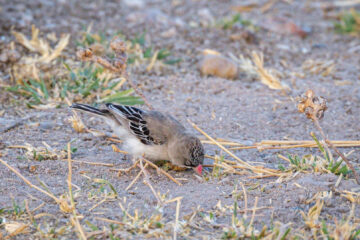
152	134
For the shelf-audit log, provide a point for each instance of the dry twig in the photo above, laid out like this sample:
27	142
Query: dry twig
162	171
148	182
57	200
75	218
136	178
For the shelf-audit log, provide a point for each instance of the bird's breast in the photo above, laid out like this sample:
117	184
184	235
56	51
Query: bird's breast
156	152
151	152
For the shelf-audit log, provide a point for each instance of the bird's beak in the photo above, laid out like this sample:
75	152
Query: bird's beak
198	169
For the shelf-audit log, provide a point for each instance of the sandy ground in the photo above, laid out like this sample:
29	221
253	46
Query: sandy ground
242	110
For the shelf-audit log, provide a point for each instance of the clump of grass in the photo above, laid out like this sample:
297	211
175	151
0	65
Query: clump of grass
40	59
48	87
349	23
17	210
91	82
45	152
241	225
140	53
312	163
88	38
345	229
236	19
132	222
219	169
102	189
36	92
87	83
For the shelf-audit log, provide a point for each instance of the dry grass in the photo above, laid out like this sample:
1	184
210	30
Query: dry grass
241	225
319	67
243	222
42	153
267	77
281	144
260	171
255	68
42	55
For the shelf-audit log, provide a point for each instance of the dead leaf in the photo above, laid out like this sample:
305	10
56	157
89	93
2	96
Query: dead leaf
16	228
117	64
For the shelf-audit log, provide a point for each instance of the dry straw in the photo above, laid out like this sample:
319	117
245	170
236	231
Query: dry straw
63	200
259	170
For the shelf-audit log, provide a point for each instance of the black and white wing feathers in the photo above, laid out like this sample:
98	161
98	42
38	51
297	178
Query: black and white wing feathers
137	124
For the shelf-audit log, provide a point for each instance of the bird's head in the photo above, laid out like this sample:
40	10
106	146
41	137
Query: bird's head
194	154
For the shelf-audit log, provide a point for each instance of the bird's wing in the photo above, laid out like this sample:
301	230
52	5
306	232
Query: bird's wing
138	123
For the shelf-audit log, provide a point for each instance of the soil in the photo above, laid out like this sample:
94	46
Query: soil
243	110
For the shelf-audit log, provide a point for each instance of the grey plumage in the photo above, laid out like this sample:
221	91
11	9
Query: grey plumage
152	134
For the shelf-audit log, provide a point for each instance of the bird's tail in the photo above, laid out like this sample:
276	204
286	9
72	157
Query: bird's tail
89	109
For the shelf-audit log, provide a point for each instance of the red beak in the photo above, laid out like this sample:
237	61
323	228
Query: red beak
198	169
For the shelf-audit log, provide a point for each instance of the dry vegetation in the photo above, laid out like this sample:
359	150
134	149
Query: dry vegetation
46	72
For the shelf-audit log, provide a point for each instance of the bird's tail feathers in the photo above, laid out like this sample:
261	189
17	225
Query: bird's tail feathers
89	109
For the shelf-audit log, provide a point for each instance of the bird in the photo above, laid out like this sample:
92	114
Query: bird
151	134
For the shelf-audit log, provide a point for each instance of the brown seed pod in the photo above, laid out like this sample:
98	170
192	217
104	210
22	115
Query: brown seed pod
312	106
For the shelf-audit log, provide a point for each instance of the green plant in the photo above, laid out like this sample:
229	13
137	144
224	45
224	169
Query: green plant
349	23
228	23
16	209
325	163
36	92
88	38
333	165
85	82
138	51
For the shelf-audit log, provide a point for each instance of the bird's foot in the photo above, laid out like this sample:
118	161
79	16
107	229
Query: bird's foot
176	168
